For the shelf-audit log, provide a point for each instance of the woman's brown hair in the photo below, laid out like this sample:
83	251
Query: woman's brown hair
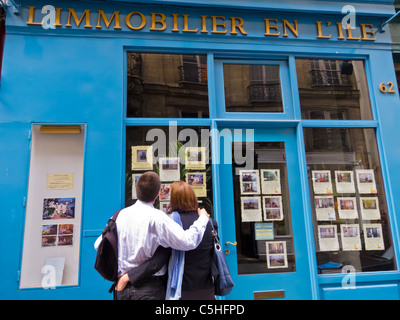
182	198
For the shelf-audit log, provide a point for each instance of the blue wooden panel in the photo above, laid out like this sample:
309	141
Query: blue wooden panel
77	76
372	292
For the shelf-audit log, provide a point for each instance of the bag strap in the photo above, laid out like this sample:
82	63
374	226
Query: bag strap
114	217
214	232
112	220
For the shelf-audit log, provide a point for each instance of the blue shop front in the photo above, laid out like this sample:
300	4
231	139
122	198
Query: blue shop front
282	116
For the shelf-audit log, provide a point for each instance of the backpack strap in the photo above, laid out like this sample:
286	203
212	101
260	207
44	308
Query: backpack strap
114	217
110	222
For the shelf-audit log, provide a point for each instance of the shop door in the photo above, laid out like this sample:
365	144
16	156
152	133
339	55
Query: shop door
261	219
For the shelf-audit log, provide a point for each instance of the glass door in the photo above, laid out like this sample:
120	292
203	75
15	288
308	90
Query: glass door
262	221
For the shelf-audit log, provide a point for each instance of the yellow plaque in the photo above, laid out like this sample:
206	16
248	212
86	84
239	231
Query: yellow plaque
60	181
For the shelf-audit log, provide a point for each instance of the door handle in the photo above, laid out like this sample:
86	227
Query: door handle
228	242
227	251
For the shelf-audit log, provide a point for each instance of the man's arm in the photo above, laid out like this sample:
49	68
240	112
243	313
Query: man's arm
171	234
137	276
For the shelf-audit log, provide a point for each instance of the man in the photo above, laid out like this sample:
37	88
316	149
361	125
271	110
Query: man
141	230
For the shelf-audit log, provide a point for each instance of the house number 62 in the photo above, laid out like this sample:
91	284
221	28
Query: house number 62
387	88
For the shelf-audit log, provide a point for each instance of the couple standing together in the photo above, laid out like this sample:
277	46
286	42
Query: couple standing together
147	267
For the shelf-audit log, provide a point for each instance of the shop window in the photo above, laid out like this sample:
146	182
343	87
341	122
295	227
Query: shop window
175	153
167	85
51	248
333	89
262	211
252	88
349	210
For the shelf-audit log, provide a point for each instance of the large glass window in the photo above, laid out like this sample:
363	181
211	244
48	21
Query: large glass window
167	85
350	214
333	89
252	88
262	211
175	153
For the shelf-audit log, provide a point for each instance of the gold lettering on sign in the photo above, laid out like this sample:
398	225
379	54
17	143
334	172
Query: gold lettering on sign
294	28
186	24
129	17
349	35
237	26
32	17
268	28
215	25
85	14
58	17
202	24
102	16
319	31
366	32
175	17
155	21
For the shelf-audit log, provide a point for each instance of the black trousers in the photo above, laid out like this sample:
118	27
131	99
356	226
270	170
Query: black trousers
153	289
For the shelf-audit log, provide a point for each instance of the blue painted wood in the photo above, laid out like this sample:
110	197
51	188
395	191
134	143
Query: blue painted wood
78	75
297	285
371	292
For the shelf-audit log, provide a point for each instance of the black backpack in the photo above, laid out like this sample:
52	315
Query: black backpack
107	253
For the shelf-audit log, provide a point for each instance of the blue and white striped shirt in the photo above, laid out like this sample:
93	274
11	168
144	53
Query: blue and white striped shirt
142	228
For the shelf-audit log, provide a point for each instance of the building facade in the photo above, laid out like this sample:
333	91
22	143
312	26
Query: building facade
282	116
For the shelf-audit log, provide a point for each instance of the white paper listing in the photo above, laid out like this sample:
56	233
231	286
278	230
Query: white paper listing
327	238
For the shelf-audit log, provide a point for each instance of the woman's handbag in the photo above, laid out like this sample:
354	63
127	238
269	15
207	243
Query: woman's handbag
219	268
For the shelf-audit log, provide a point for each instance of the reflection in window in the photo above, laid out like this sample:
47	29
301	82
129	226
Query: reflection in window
350	215
262	211
167	85
333	89
185	157
252	88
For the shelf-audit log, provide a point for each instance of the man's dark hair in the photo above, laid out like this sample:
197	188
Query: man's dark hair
147	186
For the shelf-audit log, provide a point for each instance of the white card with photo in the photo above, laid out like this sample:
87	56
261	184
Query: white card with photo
347	208
373	237
197	180
195	158
328	238
322	181
135	177
273	210
164	206
345	182
276	254
165	192
142	158
271	181
169	169
366	181
350	235
251	209
370	208
325	208
249	182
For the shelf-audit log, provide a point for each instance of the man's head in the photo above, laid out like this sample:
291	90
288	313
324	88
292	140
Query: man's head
147	186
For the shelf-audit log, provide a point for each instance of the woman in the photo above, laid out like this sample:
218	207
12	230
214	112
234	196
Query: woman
197	283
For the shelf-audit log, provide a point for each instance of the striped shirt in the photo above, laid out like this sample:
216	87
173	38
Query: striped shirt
142	228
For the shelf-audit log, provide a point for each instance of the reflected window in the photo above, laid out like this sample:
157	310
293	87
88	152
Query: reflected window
350	215
252	88
333	89
167	85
